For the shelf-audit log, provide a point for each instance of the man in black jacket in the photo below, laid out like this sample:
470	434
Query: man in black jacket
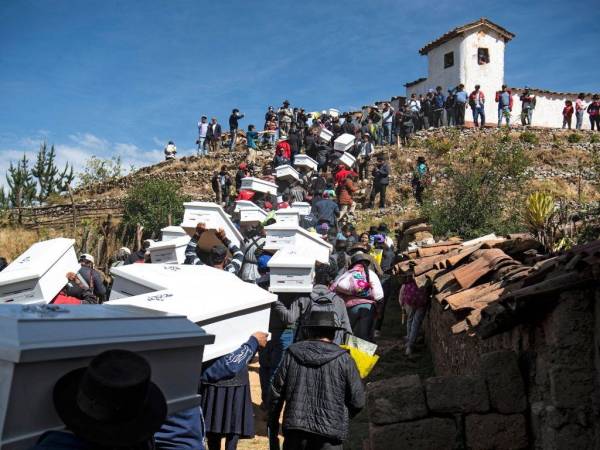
381	179
233	127
321	388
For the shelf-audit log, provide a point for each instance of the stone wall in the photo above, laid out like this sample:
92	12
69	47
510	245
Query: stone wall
537	386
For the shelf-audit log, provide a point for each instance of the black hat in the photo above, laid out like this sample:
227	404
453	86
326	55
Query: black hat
383	228
112	402
359	257
218	254
321	319
373	229
421	159
286	102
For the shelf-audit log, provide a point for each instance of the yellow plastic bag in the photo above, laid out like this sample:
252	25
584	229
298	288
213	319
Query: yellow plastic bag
377	255
364	362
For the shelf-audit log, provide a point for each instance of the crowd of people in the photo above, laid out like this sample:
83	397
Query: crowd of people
303	370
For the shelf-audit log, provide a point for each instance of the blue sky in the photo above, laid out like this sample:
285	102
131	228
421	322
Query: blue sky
123	77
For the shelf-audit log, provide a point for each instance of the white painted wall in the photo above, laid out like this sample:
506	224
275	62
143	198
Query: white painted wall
489	76
548	110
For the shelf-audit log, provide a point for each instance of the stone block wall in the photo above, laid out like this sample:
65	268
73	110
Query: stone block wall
452	412
555	356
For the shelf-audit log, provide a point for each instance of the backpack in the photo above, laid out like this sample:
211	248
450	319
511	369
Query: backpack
321	303
355	282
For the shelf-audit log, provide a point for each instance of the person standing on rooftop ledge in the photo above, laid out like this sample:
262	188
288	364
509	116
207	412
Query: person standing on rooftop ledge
477	104
202	130
527	107
505	103
460	103
579	110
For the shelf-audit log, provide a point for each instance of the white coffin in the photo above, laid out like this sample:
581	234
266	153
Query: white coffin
325	134
287	172
348	160
244	204
172	232
333	112
221	303
291	270
303	208
258	185
305	161
169	252
282	235
344	142
213	216
41	343
39	274
252	215
287	216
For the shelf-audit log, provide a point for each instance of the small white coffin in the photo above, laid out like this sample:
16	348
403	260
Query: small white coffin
169	252
291	270
172	232
348	160
40	273
41	343
218	301
287	173
213	216
252	215
244	204
303	208
344	142
325	134
333	112
282	235
258	185
287	216
306	162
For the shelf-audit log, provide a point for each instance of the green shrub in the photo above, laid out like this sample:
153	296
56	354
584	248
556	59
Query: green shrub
595	138
529	137
480	191
574	138
150	203
439	147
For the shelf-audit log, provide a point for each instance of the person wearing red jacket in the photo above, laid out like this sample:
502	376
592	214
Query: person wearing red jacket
567	113
477	104
284	145
342	174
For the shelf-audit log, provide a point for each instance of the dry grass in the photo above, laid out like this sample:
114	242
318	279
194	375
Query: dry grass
14	241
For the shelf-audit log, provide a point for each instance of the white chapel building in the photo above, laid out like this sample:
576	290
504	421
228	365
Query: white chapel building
474	54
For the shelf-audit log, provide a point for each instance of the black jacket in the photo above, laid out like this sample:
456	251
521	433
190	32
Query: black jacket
216	135
381	175
321	387
233	120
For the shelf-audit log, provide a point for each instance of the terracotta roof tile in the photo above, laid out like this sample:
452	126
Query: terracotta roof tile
507	35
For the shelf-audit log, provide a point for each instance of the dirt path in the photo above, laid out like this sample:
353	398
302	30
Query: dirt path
392	363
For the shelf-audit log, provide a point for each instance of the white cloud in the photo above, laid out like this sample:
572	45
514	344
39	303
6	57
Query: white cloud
78	149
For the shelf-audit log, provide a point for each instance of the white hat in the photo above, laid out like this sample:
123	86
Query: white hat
86	257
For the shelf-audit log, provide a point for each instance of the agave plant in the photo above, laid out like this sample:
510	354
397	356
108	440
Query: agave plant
538	215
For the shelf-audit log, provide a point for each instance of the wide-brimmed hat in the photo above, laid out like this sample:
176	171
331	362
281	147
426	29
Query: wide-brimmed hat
360	257
321	319
86	257
112	402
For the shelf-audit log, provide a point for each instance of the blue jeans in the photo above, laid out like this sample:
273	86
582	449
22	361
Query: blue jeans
233	133
387	132
202	150
280	341
413	323
526	116
478	111
579	118
362	319
182	430
504	112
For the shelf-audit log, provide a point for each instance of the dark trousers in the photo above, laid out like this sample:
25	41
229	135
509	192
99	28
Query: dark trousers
301	440
363	168
386	284
595	120
437	117
378	189
460	113
214	441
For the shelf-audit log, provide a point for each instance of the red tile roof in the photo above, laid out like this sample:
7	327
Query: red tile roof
507	35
